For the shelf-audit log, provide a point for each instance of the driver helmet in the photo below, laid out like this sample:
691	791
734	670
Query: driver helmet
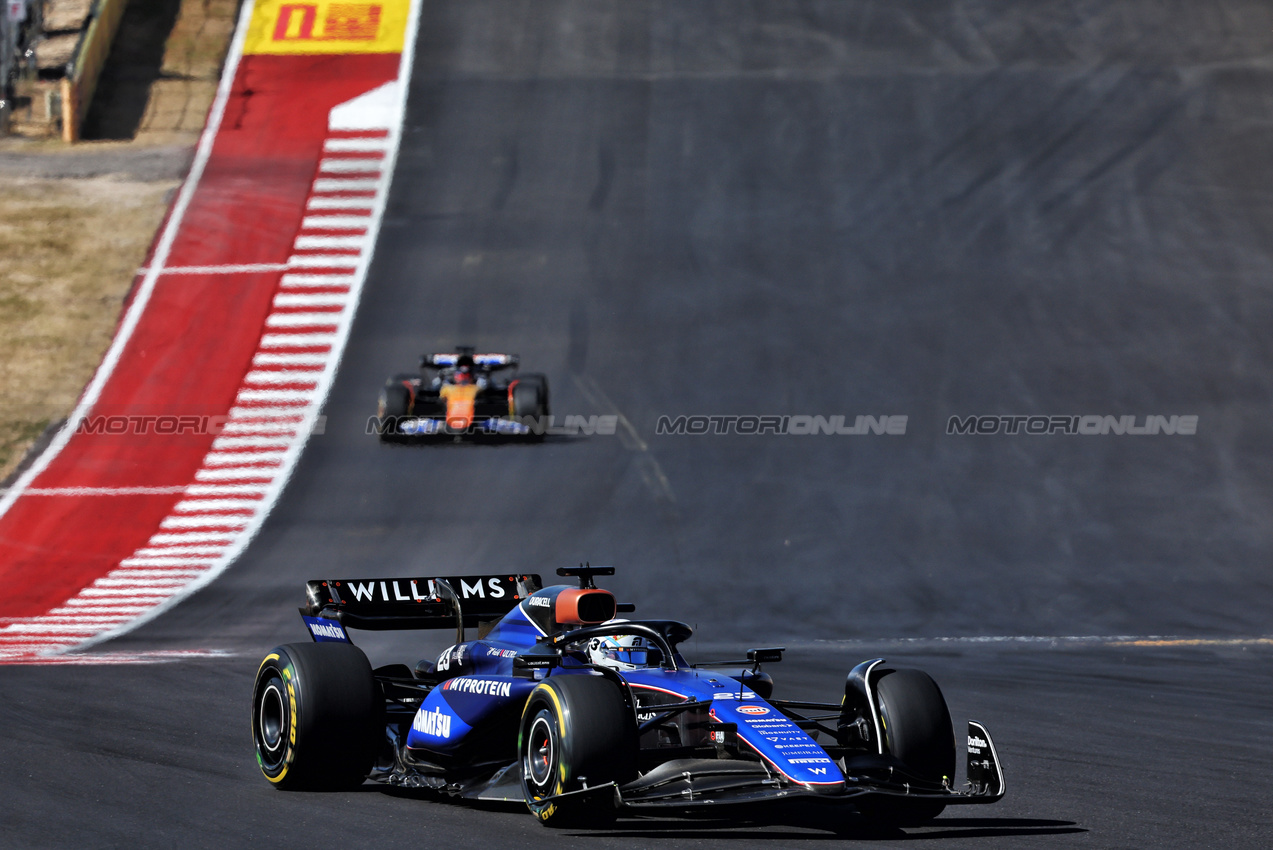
464	370
623	652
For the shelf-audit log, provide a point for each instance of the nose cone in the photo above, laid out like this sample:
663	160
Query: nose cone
827	789
460	402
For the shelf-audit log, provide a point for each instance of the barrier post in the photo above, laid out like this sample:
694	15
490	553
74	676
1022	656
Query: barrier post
90	55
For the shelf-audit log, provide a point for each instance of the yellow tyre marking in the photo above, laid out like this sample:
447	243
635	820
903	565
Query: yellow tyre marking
546	813
291	719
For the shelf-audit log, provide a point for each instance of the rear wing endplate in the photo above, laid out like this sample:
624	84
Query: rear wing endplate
378	604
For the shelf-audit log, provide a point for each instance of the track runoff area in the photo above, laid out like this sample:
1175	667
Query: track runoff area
185	438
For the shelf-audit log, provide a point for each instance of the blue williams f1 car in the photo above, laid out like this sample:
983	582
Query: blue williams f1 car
585	716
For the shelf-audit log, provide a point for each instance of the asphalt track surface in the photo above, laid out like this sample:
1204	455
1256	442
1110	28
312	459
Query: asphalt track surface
817	208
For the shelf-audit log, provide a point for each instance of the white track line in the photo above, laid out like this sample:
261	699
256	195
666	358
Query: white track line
284	299
320	203
329	242
323	261
311	340
347	184
255	268
264	359
104	491
334	222
357	145
346	166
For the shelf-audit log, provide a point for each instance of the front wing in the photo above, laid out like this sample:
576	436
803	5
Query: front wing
694	783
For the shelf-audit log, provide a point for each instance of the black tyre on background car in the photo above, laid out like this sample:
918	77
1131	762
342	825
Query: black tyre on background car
530	398
577	731
316	716
392	407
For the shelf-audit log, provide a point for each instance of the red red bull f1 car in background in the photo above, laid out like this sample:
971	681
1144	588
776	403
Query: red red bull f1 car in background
585	715
464	393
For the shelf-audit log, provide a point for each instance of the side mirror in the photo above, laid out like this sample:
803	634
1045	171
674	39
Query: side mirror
768	655
525	664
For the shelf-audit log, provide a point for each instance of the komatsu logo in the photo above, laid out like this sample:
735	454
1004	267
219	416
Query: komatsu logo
485	687
435	723
327	631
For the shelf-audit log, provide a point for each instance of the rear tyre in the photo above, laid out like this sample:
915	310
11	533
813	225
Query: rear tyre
916	727
316	716
392	408
577	732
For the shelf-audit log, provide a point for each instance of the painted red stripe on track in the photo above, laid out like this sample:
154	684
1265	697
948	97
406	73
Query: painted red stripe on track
188	355
347	195
333	231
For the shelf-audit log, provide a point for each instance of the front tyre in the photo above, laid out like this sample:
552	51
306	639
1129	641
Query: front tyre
316	712
530	403
916	727
391	408
577	731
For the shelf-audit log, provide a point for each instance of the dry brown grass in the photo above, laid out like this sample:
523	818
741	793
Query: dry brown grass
71	250
71	247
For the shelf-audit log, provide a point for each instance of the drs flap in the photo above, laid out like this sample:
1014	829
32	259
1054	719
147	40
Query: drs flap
416	603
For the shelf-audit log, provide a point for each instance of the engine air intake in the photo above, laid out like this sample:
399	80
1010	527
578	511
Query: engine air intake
584	607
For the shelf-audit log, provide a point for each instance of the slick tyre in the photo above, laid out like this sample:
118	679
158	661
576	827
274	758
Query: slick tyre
316	716
392	408
916	727
530	401
577	731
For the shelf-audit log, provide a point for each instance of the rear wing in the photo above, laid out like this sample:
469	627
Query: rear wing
378	604
486	361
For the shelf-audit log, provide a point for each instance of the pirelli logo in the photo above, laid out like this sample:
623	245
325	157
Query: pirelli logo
286	26
340	22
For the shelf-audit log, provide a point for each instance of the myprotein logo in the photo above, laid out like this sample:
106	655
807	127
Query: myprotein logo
436	723
1085	425
795	425
482	687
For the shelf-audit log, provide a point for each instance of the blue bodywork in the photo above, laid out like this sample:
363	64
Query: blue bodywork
482	687
704	735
